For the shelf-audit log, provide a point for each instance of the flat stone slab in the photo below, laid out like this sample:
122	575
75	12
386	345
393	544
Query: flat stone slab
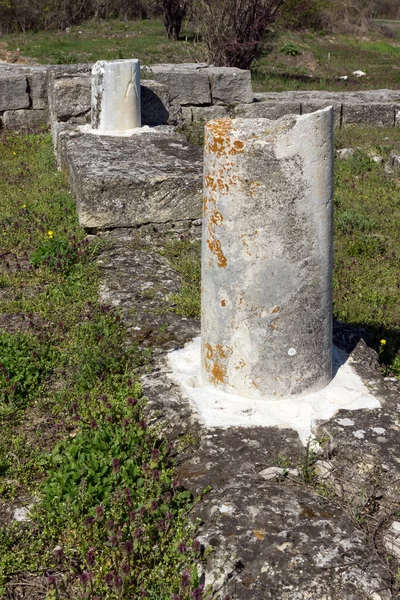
25	119
153	176
187	83
13	91
138	283
275	539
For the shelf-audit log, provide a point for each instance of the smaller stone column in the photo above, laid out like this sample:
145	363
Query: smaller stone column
116	96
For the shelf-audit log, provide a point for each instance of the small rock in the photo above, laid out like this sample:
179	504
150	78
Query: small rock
345	422
274	472
226	509
21	514
392	166
359	73
376	158
378	430
345	153
391	540
323	468
395	527
344	77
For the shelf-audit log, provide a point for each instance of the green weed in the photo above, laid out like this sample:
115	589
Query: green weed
110	519
290	48
184	257
25	363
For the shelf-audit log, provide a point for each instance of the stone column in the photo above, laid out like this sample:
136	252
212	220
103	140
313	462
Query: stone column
267	255
116	95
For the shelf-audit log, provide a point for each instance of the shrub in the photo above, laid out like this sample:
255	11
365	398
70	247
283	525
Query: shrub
290	49
302	14
233	30
173	14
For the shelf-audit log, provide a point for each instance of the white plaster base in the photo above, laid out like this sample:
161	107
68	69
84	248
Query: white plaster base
126	133
219	409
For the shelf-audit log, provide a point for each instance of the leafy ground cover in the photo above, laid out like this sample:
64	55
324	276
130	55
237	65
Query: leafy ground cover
108	518
292	60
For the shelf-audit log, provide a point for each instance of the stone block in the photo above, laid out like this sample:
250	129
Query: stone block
70	97
229	85
209	113
25	119
150	177
266	110
155	103
187	84
13	91
369	114
37	87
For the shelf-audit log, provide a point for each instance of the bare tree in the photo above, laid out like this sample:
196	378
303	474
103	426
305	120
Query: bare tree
173	15
233	30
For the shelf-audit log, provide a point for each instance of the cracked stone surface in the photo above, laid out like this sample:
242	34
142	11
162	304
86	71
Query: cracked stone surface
278	538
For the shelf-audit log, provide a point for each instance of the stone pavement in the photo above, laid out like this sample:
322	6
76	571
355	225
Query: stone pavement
284	537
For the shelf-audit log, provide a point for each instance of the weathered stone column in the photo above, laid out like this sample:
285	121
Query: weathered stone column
267	255
116	95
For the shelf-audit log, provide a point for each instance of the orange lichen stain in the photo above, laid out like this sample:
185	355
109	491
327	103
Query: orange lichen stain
210	183
218	372
241	364
248	238
253	185
209	351
223	303
260	534
214	362
237	147
219	130
253	383
216	218
223	351
215	247
220	138
276	309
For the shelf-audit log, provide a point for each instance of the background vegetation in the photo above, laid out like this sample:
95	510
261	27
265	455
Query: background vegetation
233	31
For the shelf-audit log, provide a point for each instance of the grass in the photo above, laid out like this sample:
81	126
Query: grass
292	60
317	61
109	40
109	518
367	241
183	256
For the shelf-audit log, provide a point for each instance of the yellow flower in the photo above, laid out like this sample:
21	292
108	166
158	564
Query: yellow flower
50	233
15	154
24	206
383	342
